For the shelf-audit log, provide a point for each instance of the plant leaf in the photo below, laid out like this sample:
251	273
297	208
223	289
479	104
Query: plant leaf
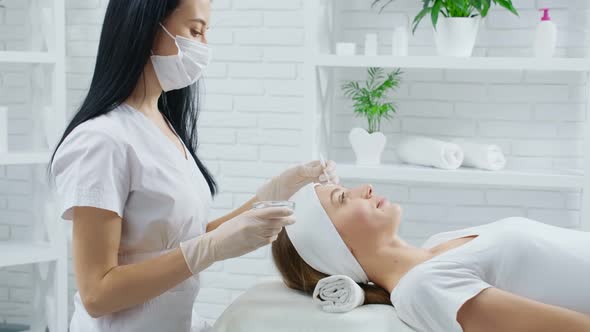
435	12
485	8
375	2
419	18
508	5
369	98
387	3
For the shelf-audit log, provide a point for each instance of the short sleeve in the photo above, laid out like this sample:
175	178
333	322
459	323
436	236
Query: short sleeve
429	297
90	169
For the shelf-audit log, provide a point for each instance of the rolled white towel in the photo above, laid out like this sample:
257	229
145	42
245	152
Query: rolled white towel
430	152
484	156
338	293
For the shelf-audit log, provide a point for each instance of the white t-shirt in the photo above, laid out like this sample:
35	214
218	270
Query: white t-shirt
123	162
527	258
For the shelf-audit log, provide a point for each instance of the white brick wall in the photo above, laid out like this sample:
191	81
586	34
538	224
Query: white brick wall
251	126
16	186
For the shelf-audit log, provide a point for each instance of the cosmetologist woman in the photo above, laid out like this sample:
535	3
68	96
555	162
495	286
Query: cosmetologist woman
128	175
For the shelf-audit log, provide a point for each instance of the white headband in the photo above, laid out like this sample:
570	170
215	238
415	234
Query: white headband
317	241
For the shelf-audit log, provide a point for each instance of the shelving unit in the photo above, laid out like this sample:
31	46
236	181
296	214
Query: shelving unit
441	62
463	176
27	253
28	57
319	65
48	248
24	158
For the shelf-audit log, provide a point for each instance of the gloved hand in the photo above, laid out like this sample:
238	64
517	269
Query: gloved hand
238	236
281	187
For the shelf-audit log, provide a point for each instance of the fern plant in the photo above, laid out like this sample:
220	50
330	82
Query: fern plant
452	8
370	98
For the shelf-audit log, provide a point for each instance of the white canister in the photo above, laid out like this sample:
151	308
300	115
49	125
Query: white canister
345	49
400	41
371	44
3	129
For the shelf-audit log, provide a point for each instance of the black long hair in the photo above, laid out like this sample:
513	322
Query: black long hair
126	40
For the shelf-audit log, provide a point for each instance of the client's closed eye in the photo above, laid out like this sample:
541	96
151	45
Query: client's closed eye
342	197
338	197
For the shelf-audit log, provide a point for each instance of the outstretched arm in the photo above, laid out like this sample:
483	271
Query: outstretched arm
495	310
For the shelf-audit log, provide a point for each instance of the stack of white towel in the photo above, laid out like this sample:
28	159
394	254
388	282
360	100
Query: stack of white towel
450	155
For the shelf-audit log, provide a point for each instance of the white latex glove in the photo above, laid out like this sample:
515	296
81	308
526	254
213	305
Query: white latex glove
238	236
282	187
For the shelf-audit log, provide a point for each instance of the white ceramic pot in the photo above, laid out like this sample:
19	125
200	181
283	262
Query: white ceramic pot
455	36
367	147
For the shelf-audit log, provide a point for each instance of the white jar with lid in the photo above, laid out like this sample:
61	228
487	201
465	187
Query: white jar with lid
400	41
371	44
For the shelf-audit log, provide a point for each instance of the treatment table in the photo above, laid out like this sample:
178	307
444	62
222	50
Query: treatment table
273	307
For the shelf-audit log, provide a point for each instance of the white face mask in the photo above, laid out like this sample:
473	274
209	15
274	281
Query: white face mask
185	68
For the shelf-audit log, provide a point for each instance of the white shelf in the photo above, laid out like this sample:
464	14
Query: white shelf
440	62
12	253
463	176
27	57
49	27
24	158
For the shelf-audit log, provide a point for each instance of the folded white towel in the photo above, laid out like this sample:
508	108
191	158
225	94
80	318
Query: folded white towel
485	156
430	152
338	293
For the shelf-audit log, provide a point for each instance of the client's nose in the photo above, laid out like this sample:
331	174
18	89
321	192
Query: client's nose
368	191
363	191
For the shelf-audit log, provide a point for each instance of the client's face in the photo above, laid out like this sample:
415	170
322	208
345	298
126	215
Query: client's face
361	217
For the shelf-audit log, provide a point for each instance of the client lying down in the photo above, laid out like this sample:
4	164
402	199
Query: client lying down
514	274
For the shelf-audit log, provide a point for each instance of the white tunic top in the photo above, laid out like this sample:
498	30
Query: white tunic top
123	162
527	258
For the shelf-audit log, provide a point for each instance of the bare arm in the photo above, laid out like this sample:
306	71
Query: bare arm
104	285
495	310
245	207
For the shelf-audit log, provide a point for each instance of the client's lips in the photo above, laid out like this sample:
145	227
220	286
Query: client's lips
380	202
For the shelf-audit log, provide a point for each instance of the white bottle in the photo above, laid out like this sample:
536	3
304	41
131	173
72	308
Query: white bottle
400	41
545	37
371	44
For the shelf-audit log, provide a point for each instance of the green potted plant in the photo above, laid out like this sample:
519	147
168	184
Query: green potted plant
455	22
371	101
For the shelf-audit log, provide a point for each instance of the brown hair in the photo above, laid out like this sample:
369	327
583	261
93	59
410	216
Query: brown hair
297	274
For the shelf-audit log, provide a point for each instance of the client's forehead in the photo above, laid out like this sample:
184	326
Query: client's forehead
327	188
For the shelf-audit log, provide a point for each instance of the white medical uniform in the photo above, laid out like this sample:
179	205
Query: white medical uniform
524	257
123	162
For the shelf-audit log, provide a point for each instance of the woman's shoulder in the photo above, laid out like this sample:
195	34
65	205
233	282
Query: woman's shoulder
103	135
429	296
110	131
428	272
419	281
108	126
